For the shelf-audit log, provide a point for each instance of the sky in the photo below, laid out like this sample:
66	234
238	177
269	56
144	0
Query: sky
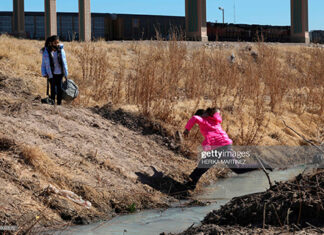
272	12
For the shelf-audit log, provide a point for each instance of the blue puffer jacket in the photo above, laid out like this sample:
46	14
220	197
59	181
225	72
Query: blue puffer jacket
46	63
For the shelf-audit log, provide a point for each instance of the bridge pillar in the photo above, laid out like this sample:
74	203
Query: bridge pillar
299	21
50	18
196	25
84	20
18	18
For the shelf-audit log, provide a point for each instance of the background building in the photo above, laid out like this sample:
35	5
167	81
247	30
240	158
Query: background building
145	27
317	36
105	26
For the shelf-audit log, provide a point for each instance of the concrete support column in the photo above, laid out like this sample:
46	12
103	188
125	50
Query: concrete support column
50	18
18	18
299	21
84	20
196	26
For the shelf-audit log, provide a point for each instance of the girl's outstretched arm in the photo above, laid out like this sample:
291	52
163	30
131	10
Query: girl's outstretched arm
195	119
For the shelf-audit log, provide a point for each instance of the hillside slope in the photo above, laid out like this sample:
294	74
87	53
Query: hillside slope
78	150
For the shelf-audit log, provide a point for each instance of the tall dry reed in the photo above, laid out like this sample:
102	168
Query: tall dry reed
161	75
169	80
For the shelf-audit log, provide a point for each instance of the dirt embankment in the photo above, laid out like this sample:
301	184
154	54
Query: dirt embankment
294	206
91	152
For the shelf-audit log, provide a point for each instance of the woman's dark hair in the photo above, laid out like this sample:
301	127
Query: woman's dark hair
48	41
199	112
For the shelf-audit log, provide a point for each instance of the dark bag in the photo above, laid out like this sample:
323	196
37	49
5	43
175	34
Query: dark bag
70	90
47	100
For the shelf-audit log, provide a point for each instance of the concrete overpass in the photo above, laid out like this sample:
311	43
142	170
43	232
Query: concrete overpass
196	25
51	18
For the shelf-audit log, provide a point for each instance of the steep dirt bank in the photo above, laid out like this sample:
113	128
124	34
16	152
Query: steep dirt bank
291	206
115	168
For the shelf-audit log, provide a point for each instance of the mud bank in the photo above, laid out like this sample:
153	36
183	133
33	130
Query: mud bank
116	168
293	206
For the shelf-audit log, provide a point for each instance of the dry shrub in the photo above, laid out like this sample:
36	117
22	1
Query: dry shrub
94	64
306	91
59	177
168	73
272	75
315	81
42	163
37	158
153	84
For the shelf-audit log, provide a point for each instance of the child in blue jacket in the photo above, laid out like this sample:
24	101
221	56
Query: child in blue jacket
54	66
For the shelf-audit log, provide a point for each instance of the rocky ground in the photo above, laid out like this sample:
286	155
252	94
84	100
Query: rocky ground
287	207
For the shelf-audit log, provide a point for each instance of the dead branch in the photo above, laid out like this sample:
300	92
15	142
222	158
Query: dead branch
316	228
264	214
264	170
276	214
308	141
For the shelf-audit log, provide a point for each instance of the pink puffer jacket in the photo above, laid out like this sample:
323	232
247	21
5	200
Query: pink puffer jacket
211	129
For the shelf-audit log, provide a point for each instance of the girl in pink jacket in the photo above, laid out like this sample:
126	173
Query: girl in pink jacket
216	140
210	127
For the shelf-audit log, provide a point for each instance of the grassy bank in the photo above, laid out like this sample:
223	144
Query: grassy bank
168	81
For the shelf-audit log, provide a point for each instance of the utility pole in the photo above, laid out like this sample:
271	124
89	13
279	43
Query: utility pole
222	9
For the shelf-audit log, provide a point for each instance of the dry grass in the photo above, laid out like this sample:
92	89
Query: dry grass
168	81
47	167
55	174
45	135
35	157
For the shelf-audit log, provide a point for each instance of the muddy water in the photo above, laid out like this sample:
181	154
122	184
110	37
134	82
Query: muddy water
150	222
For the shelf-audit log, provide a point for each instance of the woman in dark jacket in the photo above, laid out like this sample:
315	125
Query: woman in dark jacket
54	66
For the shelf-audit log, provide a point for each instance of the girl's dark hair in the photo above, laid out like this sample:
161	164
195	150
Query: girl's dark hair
211	111
49	40
199	112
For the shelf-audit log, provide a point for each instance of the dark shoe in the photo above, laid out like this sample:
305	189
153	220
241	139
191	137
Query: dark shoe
197	173
47	100
266	165
190	185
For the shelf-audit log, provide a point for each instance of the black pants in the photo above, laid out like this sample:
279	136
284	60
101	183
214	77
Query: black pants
56	87
238	169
